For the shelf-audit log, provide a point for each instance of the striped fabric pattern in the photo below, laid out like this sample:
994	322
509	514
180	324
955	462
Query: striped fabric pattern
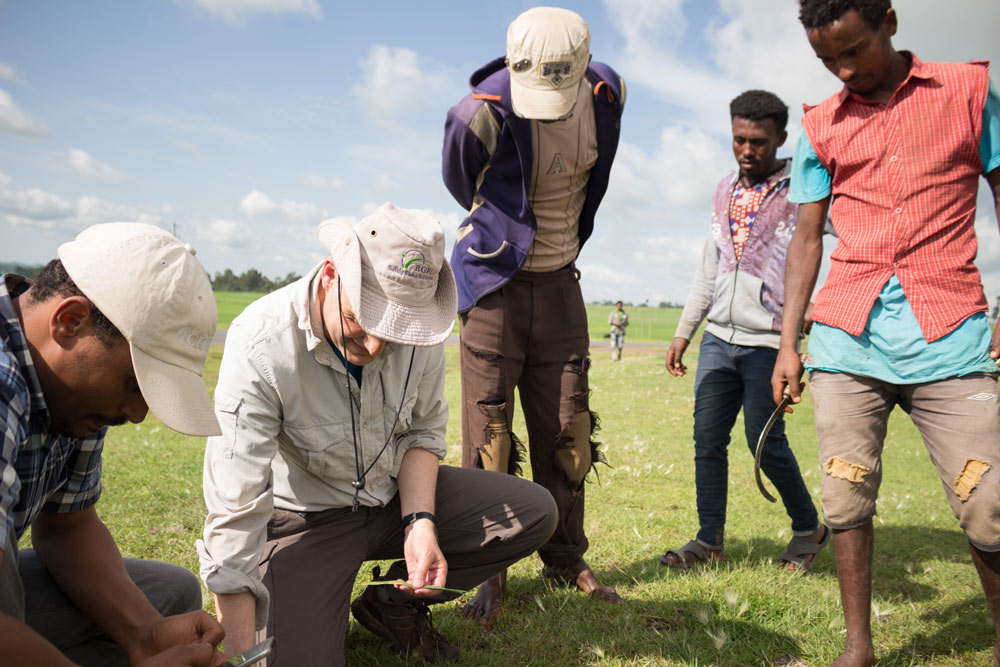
905	176
39	469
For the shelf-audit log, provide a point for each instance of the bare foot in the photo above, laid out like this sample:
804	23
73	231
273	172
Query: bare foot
815	538
580	575
487	605
859	658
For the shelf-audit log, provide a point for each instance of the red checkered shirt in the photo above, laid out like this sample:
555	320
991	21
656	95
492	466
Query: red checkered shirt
905	176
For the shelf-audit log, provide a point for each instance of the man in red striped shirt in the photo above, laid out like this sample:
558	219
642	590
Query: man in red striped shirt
895	158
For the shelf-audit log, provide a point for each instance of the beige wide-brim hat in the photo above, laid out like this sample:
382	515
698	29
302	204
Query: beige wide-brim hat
392	268
548	50
151	287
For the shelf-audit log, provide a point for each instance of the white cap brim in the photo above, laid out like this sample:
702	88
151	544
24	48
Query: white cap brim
542	104
176	396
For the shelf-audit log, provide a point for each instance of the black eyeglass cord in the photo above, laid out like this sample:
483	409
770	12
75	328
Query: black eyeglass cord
359	483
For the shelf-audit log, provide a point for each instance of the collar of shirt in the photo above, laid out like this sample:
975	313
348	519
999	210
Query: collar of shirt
11	287
918	70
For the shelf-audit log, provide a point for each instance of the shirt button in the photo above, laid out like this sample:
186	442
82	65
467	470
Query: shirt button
893	158
898	211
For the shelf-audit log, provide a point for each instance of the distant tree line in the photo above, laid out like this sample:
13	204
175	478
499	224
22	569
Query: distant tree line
250	280
28	271
644	304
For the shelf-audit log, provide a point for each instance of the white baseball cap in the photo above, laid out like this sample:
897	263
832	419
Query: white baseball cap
548	50
151	287
392	266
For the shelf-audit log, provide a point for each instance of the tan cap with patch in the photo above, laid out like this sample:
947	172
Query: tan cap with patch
548	50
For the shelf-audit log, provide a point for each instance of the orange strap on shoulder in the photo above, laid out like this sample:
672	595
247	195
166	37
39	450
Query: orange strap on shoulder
597	88
482	96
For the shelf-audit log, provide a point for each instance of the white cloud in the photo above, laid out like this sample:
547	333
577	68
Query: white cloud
32	203
327	183
392	82
15	120
238	12
85	163
257	204
225	233
8	73
93	210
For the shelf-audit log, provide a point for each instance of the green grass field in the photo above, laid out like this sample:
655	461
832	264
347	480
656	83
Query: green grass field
645	324
929	607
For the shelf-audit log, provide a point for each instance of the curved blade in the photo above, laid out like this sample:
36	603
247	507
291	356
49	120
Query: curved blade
785	400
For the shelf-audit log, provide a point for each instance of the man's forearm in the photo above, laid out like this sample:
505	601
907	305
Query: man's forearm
237	614
417	481
805	253
78	551
20	645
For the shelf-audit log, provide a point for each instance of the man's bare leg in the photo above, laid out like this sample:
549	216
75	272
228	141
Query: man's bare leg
988	565
487	605
853	549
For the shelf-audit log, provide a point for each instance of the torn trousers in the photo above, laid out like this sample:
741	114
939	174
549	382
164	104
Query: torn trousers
532	334
959	421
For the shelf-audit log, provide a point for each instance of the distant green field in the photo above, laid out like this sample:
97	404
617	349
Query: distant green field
654	325
231	304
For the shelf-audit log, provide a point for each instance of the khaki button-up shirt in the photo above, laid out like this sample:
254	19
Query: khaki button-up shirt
286	440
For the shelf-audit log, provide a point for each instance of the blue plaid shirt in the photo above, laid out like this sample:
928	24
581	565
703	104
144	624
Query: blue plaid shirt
39	469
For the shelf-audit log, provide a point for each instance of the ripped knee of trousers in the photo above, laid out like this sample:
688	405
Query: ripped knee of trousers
577	452
500	450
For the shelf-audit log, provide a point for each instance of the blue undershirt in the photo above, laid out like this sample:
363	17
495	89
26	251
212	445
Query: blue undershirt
353	369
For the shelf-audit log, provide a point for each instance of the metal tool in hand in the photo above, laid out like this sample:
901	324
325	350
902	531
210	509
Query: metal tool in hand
785	400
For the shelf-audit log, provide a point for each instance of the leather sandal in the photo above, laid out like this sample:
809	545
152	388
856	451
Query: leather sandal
702	555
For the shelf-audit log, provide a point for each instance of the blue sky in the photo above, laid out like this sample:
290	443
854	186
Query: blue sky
244	123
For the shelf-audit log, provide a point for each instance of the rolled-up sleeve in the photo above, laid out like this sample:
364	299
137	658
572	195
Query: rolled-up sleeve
429	419
237	479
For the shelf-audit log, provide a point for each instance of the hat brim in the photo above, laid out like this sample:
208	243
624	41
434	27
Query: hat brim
420	326
176	396
543	104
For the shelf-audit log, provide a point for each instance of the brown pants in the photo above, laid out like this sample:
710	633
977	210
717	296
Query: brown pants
532	334
485	522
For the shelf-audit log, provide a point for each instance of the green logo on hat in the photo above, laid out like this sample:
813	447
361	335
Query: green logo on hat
411	256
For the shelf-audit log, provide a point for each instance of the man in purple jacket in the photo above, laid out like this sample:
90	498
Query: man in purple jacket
528	153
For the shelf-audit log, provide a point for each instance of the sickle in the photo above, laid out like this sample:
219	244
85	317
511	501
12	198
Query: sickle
785	400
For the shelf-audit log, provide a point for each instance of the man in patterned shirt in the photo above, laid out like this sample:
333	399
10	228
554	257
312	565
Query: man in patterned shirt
739	287
118	325
896	158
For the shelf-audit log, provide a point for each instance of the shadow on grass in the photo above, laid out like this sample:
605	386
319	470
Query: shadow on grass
546	625
538	630
900	552
965	627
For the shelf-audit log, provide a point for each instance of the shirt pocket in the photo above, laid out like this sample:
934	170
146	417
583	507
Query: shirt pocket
324	449
227	411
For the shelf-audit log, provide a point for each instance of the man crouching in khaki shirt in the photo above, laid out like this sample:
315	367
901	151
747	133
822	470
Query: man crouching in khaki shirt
333	423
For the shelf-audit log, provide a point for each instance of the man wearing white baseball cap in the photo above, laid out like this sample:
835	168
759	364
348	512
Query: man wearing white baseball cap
330	399
528	153
119	325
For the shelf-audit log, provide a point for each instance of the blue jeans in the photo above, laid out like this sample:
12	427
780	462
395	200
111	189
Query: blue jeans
731	377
